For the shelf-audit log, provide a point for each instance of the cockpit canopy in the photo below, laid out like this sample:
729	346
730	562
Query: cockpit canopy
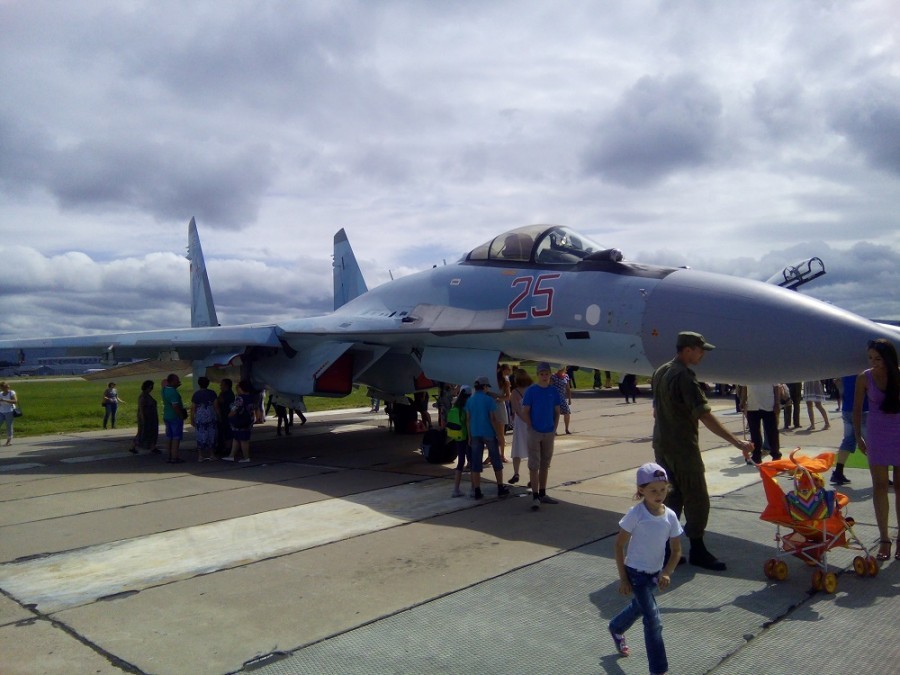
542	244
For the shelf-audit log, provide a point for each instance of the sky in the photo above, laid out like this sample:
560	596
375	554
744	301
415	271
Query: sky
730	136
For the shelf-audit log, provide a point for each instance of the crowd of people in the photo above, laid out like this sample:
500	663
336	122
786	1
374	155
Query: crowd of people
481	415
222	421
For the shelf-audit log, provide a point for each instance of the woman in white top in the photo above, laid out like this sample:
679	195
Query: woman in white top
814	395
8	402
502	398
520	424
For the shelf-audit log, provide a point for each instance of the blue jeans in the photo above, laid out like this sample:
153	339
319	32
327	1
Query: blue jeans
848	442
110	414
7	418
644	604
476	449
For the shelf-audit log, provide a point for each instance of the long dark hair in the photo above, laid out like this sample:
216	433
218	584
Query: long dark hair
461	399
888	353
523	379
502	381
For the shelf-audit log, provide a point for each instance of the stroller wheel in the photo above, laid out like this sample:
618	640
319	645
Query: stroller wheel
781	570
818	580
860	566
829	583
872	566
769	568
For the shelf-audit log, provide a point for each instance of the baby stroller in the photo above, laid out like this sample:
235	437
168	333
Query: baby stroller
815	518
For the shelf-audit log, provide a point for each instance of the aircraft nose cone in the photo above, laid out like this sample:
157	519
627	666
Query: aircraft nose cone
762	333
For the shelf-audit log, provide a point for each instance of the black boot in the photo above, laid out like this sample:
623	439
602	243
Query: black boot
700	557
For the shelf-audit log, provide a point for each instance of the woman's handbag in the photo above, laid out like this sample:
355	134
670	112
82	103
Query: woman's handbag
17	411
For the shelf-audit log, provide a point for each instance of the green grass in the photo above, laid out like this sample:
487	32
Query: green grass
857	460
65	406
68	405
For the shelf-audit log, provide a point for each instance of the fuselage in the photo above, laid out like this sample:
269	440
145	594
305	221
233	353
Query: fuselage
625	317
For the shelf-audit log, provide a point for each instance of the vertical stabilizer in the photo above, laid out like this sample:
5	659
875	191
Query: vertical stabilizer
348	279
203	312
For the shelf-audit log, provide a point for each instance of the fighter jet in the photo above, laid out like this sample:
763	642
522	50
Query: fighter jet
540	292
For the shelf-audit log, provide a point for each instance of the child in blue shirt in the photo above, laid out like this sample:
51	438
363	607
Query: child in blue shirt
644	532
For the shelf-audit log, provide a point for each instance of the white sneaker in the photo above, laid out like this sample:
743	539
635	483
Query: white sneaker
243	461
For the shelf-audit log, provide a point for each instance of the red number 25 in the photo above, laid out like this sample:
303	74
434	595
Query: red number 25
542	297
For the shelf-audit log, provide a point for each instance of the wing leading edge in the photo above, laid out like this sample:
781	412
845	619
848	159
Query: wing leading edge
190	343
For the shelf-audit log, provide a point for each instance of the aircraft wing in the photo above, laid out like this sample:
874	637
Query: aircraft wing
189	343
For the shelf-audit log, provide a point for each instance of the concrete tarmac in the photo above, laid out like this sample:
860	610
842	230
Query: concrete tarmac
338	549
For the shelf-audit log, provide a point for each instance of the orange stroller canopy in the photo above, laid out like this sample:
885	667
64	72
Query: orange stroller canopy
776	510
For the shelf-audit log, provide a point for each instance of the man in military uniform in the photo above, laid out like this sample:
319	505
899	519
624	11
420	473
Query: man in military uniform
679	404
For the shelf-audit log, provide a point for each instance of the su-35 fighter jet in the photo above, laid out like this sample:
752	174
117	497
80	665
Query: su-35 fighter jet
541	292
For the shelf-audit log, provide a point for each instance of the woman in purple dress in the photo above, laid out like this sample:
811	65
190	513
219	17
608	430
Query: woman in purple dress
204	419
880	384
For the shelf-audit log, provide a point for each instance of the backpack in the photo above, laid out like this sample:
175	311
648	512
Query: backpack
456	428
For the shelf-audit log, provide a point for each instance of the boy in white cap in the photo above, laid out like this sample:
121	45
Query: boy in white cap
644	531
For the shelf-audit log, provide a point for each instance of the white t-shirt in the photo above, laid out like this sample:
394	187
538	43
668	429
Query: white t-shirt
5	404
761	397
649	534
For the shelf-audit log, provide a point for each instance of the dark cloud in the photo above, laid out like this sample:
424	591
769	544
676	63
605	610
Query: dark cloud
659	127
263	55
223	186
869	117
779	104
24	155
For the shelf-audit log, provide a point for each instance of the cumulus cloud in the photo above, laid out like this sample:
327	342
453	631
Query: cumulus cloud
70	293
